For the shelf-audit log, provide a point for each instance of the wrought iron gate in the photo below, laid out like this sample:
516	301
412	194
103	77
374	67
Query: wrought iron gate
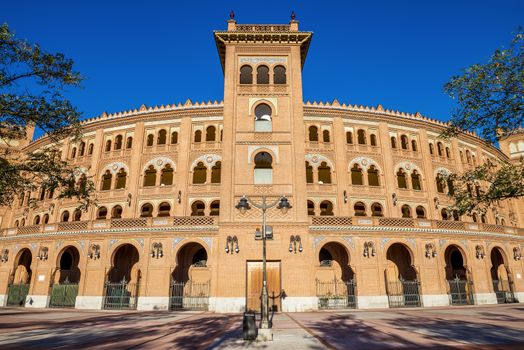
189	295
460	291
17	293
336	294
63	294
120	295
504	291
404	293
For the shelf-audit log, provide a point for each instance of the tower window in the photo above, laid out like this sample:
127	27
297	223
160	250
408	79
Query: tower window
279	76
246	75
262	75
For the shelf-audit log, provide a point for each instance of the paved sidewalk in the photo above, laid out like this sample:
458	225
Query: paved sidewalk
471	327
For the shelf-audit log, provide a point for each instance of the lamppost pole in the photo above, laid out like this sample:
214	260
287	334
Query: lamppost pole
243	206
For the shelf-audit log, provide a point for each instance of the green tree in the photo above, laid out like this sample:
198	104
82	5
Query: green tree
32	87
490	102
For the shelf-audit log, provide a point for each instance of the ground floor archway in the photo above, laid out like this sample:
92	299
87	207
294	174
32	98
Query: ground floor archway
190	279
402	283
18	287
501	277
459	282
335	279
123	279
65	278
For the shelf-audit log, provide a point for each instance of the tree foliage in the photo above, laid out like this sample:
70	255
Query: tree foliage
490	102
32	87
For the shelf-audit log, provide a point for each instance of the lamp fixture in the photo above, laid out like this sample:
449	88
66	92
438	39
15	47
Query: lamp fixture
431	251
369	249
517	254
232	245
479	252
43	253
157	250
4	257
94	252
293	241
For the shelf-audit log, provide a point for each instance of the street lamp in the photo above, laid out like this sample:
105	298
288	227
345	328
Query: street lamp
244	205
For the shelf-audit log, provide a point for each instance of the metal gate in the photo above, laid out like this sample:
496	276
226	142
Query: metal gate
336	294
404	293
63	294
504	291
17	293
460	291
120	295
189	295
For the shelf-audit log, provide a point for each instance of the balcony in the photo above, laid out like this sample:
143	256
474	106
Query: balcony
322	222
176	222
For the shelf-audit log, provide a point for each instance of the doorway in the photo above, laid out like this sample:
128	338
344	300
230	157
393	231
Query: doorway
254	285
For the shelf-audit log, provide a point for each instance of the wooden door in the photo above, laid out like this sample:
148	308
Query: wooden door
254	285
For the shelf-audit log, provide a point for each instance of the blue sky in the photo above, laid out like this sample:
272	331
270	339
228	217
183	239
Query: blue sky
395	53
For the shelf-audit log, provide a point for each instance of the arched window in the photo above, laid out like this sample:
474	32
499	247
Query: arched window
166	175
325	136
262	75
22	222
65	216
279	75
356	175
198	136
404	143
376	209
421	212
91	148
246	75
349	137
416	184
475	217
502	222
461	156
448	153
162	137
108	145
326	208
313	133
42	194
200	174
129	142
310	208
118	142
497	221
309	173
431	150
324	173
210	133
174	137
150	176
440	149
36	220
393	142
361	137
146	211
82	149
456	215
444	213
46	219
406	211
373	176
360	209
214	208
17	223
373	140
263	115
116	212
77	215
101	214
121	179
73	152
263	172
414	145
150	140
483	218
474	159
106	181
401	179
197	208
216	173
440	183
164	209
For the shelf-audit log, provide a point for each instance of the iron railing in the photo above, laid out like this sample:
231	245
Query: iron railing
63	294
504	291
404	293
189	295
17	294
120	295
460	292
336	294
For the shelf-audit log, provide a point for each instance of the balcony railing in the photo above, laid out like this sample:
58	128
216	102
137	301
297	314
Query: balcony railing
167	221
376	221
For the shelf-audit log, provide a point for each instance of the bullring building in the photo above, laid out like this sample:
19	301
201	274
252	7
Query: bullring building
369	224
